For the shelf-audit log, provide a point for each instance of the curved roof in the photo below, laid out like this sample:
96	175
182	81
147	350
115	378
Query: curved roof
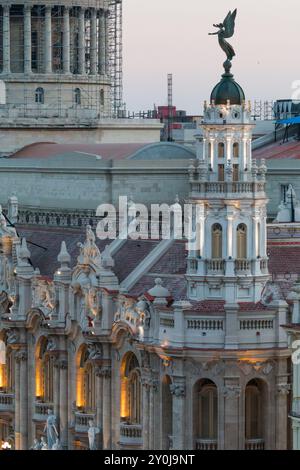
132	151
163	151
227	89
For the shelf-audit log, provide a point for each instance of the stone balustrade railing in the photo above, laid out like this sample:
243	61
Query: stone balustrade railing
206	444
254	444
242	265
58	218
167	322
131	435
82	421
6	401
205	324
221	188
256	324
216	266
41	410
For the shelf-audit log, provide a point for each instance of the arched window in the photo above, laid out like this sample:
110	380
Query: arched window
241	242
216	248
131	391
44	372
209	151
236	150
86	386
221	150
254	415
40	95
77	96
102	97
206	415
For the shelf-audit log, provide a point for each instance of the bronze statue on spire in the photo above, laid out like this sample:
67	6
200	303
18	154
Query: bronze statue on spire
226	30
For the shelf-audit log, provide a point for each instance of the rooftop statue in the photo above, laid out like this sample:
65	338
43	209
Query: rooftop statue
226	30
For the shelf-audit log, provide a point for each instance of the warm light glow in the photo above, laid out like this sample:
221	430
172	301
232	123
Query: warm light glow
2	376
38	380
6	445
79	388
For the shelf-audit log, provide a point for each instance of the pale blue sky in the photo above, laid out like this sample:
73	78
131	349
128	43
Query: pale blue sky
171	36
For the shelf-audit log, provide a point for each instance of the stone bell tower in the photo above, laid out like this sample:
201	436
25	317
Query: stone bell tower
228	260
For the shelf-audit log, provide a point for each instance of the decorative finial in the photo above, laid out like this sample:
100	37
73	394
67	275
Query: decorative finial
226	30
64	257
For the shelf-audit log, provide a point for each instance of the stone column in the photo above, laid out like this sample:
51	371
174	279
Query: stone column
145	419
81	41
94	42
178	390
22	358
56	388
48	40
63	402
17	401
99	404
152	396
6	39
66	40
102	43
106	374
231	393
27	39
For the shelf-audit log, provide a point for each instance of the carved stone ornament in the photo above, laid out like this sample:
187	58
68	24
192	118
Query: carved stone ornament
178	390
283	389
94	351
232	391
12	336
106	372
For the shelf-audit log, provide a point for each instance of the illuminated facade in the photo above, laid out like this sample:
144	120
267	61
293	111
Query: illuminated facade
161	349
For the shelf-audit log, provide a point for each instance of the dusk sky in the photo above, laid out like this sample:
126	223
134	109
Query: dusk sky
171	36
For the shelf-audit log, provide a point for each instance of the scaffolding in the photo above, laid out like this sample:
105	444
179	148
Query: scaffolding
81	86
263	110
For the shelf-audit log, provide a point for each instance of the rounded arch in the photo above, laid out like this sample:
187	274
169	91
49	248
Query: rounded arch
102	97
236	150
166	413
217	241
77	96
205	414
44	371
131	390
242	241
40	95
85	381
256	419
221	150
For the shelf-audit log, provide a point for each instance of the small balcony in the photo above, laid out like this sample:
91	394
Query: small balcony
6	402
242	266
82	421
215	266
41	410
206	444
131	435
222	188
255	444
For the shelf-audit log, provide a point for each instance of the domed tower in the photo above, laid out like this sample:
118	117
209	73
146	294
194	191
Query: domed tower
228	259
55	58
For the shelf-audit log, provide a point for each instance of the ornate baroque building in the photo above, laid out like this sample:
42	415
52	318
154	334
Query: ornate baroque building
162	348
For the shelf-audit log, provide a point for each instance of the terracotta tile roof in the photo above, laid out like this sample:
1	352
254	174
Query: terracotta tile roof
46	150
278	150
284	258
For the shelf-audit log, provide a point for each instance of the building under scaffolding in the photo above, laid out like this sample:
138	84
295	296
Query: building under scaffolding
61	60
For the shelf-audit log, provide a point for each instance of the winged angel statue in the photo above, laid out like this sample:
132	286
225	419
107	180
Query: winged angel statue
226	30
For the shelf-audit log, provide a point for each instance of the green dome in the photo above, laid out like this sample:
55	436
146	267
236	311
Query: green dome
227	89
